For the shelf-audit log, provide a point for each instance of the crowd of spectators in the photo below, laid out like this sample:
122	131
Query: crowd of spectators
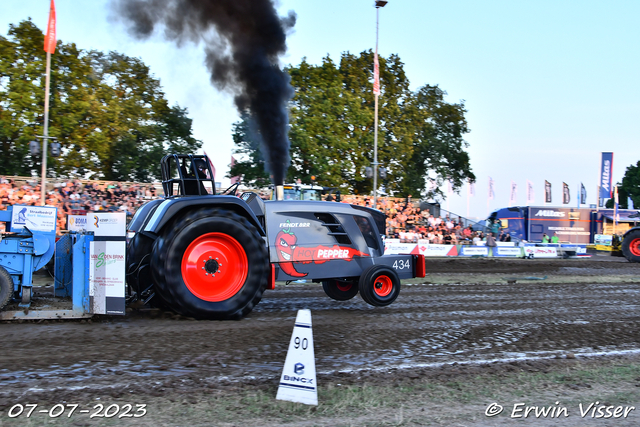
77	197
405	220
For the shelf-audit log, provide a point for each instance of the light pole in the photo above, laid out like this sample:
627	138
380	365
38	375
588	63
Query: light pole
376	93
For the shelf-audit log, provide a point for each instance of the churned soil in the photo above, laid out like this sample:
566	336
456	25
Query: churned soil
474	332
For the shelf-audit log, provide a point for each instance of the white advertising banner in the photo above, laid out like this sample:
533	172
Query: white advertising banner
76	222
107	277
107	224
474	251
438	250
35	218
398	248
540	251
507	252
580	249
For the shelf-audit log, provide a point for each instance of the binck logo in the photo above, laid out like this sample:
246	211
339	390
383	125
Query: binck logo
298	379
554	214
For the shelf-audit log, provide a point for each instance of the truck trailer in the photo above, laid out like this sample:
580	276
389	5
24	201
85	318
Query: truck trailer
572	225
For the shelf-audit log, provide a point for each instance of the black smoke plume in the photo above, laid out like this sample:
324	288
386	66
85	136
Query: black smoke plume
243	40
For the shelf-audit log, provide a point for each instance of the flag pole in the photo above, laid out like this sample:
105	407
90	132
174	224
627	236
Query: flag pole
49	47
376	93
43	185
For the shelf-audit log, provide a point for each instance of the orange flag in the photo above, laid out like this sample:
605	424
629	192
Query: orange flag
50	38
376	74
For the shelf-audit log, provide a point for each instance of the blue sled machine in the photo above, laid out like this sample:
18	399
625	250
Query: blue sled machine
28	245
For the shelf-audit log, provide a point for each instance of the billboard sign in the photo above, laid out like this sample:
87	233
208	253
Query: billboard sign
76	222
605	175
572	225
35	218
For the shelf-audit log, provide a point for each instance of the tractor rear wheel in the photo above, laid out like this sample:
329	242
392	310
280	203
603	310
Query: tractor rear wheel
631	246
379	285
340	290
6	287
210	264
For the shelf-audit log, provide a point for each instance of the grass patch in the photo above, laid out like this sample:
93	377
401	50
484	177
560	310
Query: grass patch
412	401
447	396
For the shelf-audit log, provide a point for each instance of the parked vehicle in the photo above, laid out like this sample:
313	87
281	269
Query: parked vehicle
572	225
631	244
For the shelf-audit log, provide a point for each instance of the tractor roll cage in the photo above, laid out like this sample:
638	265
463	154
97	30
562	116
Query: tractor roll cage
192	171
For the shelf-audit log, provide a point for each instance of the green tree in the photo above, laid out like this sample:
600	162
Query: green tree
21	97
629	188
439	148
251	170
631	184
107	111
420	135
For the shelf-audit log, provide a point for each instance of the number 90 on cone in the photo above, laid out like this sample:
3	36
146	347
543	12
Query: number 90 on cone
298	380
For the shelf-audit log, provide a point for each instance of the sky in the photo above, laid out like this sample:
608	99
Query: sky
548	85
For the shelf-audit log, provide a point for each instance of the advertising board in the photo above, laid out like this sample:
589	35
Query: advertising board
502	251
540	252
76	222
570	224
35	218
474	251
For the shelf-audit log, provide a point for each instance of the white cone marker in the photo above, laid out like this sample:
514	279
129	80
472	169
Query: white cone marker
298	380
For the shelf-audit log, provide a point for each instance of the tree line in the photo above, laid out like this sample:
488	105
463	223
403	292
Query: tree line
113	122
107	111
629	188
420	135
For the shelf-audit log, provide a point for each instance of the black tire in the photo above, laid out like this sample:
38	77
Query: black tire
340	290
379	285
631	246
200	245
138	261
6	287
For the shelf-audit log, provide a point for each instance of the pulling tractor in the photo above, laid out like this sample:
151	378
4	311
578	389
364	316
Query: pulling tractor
211	256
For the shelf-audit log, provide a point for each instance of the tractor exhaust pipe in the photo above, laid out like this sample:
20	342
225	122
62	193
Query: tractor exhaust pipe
279	192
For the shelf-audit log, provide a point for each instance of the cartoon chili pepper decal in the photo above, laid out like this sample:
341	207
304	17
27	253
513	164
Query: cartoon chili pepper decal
285	245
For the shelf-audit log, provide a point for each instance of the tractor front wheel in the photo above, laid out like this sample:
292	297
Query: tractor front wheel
340	290
211	264
379	285
631	246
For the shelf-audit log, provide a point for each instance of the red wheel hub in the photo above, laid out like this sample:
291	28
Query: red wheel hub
634	247
344	286
214	267
383	286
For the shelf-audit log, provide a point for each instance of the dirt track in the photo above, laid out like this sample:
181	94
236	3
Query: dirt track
577	312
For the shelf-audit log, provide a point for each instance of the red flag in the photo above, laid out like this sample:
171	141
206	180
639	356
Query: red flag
50	38
376	75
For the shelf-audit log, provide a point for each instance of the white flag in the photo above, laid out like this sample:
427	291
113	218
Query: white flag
530	194
491	193
471	188
514	192
449	188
